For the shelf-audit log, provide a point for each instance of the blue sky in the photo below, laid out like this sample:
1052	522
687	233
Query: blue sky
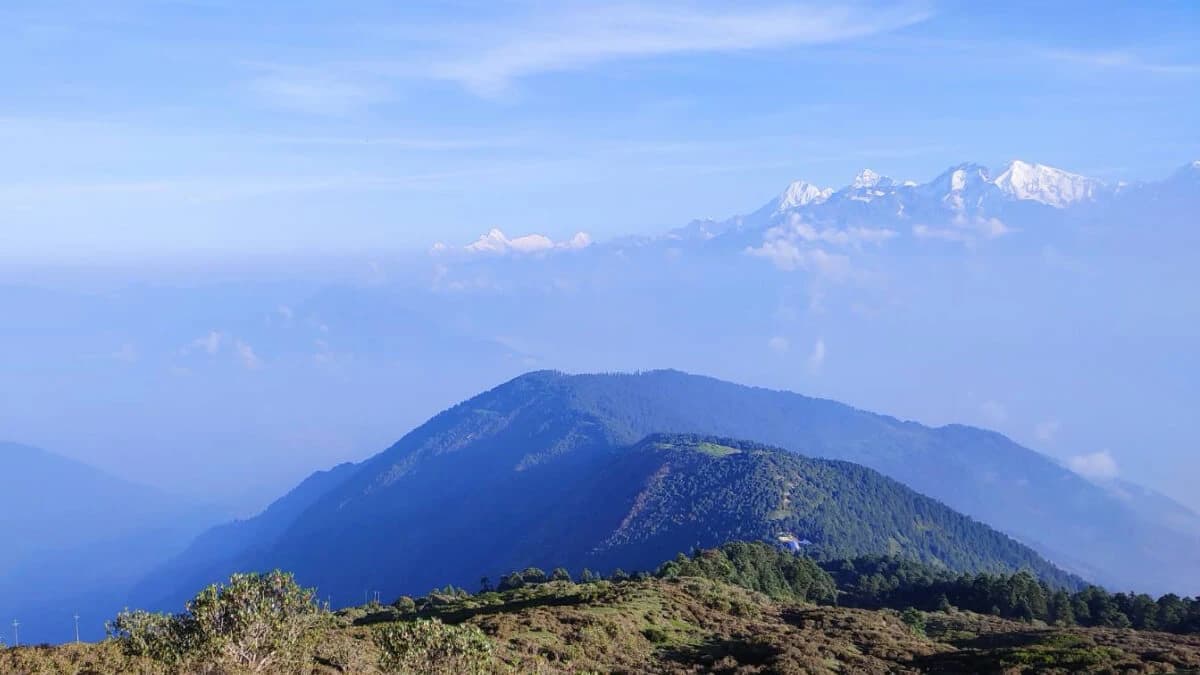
135	130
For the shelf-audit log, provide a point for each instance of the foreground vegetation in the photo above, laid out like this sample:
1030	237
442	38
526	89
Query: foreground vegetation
744	608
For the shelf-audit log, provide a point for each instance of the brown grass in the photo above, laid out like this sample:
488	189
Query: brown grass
697	625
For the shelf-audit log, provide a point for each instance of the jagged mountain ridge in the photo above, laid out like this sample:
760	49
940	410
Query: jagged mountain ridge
965	196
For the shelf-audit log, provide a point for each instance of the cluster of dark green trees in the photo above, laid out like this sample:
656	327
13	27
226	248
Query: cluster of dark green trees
531	576
873	582
758	566
878	582
762	567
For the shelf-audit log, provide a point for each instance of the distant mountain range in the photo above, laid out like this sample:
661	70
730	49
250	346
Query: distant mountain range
552	468
77	539
964	201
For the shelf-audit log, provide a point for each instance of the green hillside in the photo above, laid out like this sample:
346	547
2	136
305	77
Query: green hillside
530	480
545	469
743	608
699	491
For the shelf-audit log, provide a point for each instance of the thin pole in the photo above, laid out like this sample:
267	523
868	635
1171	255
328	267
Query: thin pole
16	633
76	627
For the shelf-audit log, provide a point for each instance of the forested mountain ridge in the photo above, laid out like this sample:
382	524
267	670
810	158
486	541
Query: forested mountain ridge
1075	523
535	472
700	491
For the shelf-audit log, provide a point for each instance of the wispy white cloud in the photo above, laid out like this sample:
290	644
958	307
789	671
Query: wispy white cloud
585	36
787	255
315	91
489	58
968	231
245	354
1120	59
209	344
232	187
215	343
1095	466
778	344
848	236
816	358
799	245
427	143
943	233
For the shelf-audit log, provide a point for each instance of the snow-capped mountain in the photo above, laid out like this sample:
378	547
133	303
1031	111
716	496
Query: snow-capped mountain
965	203
1047	185
801	193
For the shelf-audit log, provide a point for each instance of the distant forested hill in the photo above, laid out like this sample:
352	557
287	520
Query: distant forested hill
549	469
563	425
75	539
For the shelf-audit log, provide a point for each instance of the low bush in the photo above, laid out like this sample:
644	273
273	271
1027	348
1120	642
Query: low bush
430	646
254	623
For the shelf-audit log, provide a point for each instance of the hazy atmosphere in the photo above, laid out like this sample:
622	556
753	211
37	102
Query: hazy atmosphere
183	172
241	243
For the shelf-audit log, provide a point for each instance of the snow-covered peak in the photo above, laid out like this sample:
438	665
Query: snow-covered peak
1187	175
869	186
967	175
495	242
960	178
1045	184
960	187
802	193
868	179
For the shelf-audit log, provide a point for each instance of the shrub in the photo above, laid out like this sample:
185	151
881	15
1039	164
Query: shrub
162	637
432	647
253	623
533	575
656	635
346	652
256	621
914	619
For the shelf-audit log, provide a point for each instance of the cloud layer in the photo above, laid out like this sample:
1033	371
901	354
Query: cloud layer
802	246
